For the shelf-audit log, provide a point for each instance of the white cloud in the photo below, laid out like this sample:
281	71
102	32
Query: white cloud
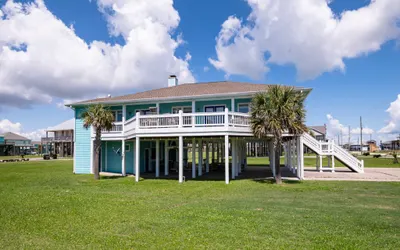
304	33
366	131
335	128
206	69
8	126
42	58
393	125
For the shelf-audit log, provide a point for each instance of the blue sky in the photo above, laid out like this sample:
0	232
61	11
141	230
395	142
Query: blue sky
365	84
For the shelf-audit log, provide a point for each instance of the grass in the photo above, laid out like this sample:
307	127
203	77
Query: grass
44	206
19	157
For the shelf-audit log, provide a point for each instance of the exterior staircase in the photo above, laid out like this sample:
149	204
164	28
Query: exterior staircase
331	149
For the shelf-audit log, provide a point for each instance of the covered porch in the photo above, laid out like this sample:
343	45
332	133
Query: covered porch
199	158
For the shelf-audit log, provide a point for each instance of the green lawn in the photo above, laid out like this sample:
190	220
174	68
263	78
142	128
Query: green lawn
369	162
19	157
44	206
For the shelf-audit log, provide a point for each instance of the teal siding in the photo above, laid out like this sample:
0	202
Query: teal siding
1	140
111	157
82	144
129	158
131	109
113	152
166	108
201	104
244	100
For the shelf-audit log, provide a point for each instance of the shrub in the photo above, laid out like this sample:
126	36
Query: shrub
378	156
395	160
366	154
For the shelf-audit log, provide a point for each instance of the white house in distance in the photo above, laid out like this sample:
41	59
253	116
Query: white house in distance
61	139
157	128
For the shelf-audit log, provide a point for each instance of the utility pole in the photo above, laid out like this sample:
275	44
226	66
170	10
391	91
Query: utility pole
349	137
361	129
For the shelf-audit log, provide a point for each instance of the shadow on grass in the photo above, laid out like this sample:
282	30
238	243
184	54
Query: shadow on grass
272	181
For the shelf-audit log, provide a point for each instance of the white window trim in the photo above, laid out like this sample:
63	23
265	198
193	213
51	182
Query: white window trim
214	105
241	103
180	107
129	148
115	114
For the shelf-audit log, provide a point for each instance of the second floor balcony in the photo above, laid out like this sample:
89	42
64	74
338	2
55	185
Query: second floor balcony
180	124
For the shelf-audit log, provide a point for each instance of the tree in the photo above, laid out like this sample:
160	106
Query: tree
278	110
100	118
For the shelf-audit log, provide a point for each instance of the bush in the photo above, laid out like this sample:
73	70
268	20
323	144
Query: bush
46	157
366	154
378	156
395	160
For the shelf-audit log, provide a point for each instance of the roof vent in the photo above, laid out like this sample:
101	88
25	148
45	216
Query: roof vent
172	81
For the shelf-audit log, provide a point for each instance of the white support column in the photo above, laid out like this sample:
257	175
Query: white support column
218	153
233	104
137	159
157	158
301	158
193	158
200	168
207	157
227	159
226	120
166	158
240	157
271	155
298	153
320	163
123	118
212	152
180	159
123	158
333	163
233	145
193	111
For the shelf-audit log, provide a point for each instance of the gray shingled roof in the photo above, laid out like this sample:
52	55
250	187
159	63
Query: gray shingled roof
321	129
13	136
186	90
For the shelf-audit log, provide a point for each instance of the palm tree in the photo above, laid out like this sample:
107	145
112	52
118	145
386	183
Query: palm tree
100	118
278	110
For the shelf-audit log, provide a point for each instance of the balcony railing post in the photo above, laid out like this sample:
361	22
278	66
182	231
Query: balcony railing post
226	118
180	119
137	120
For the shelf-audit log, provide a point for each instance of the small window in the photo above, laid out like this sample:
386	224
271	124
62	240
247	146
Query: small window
188	109
243	108
117	115
127	147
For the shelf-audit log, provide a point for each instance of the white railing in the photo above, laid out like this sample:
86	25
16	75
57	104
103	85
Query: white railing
312	143
330	148
116	128
194	120
349	159
239	119
130	126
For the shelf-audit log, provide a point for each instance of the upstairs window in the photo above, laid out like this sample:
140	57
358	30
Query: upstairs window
117	115
243	108
188	109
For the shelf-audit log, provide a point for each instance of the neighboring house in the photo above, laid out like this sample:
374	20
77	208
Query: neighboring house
319	132
14	144
158	128
391	145
61	141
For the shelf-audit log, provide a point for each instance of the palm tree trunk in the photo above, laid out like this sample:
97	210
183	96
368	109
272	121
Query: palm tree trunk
96	161
97	144
278	176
